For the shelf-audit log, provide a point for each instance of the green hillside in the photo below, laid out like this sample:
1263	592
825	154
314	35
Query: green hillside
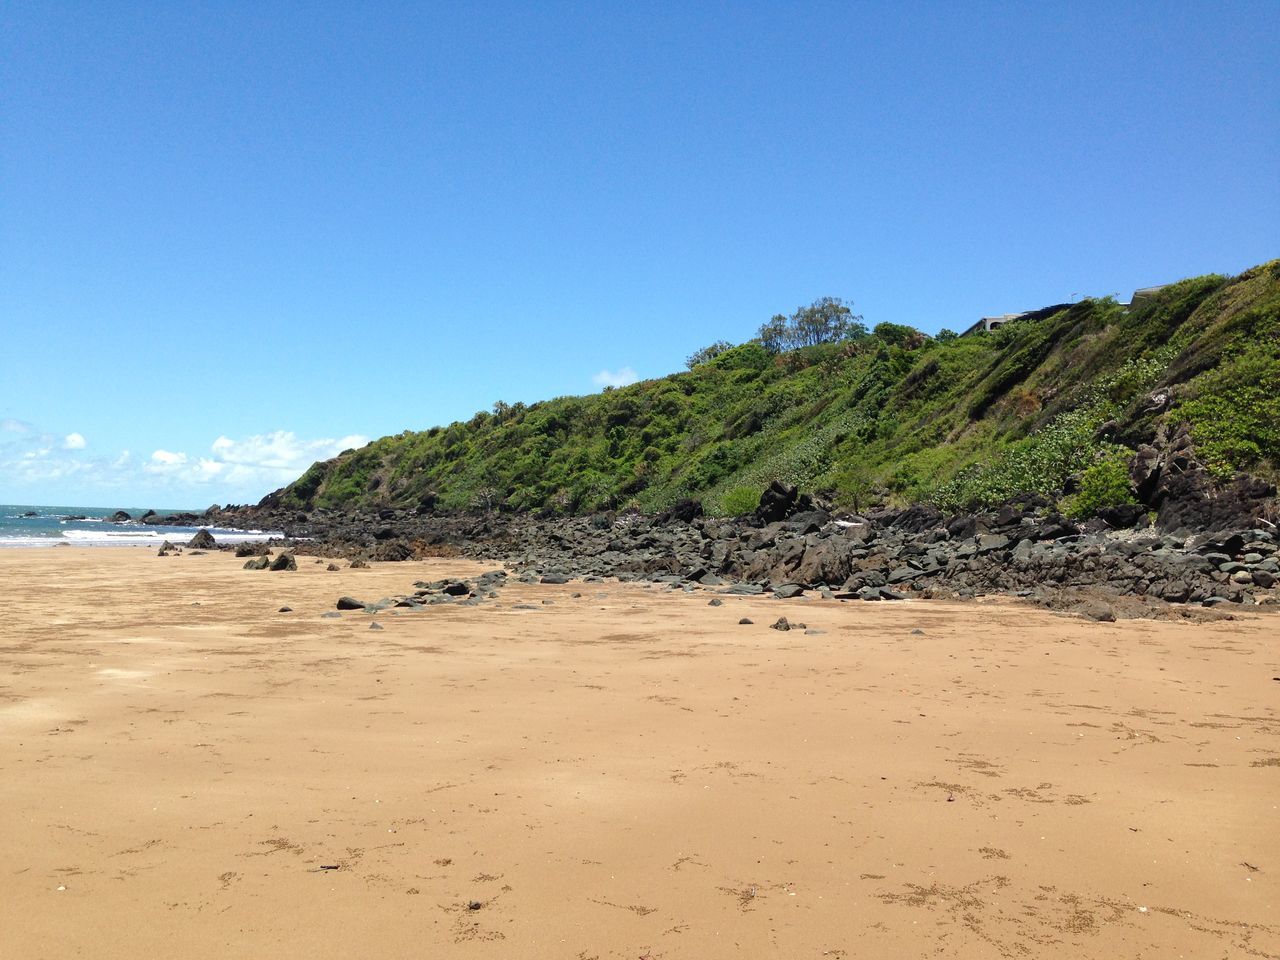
890	415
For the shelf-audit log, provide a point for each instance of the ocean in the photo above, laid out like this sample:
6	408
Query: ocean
27	525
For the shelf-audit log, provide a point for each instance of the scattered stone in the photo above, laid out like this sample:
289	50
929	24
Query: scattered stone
257	563
203	540
332	567
359	563
715	602
745	621
780	624
350	603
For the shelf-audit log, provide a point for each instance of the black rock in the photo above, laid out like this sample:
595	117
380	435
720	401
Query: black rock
285	561
257	563
745	621
349	603
203	540
715	602
120	517
285	610
685	511
359	564
780	624
780	501
788	590
554	578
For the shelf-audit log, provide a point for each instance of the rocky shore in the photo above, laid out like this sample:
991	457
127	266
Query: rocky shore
1104	568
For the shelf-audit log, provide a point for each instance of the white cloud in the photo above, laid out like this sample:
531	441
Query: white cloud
621	377
56	467
282	450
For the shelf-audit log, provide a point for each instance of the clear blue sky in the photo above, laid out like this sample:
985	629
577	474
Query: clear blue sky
234	235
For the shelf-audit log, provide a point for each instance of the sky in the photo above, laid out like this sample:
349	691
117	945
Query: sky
239	237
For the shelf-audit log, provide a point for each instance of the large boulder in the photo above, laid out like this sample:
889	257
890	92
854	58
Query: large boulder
780	501
203	540
284	561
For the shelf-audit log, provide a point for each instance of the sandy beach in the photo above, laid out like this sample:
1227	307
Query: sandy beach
624	773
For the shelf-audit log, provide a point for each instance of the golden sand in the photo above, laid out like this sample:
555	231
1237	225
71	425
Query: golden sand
630	773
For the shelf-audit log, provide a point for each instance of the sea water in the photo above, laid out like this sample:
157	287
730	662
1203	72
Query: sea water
51	526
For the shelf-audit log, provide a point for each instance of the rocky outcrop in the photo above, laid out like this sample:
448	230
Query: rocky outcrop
1168	478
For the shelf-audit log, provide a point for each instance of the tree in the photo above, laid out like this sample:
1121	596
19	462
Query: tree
708	353
827	320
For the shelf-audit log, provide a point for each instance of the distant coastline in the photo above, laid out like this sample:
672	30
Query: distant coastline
37	525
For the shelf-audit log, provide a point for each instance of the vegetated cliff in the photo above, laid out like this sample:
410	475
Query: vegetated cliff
1055	404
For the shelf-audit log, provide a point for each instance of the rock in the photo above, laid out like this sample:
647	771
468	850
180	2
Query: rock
1263	579
780	501
31	513
359	564
1096	610
350	603
684	511
394	551
284	561
554	578
119	517
783	624
1123	516
332	567
257	563
375	626
457	589
203	540
251	549
989	542
788	590
745	621
285	610
715	602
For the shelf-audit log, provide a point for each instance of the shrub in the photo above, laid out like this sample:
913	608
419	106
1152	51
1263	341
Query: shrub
740	501
1105	483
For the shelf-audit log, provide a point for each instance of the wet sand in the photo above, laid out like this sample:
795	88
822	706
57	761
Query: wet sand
626	774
